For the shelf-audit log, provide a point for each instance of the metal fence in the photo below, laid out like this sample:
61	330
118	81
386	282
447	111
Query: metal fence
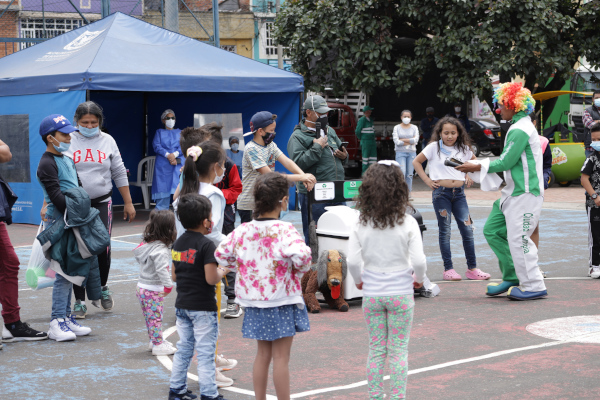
23	23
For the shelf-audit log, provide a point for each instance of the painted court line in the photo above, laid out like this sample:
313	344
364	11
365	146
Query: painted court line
167	363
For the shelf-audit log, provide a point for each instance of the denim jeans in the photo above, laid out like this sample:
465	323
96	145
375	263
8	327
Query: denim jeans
447	201
405	160
61	298
197	330
317	210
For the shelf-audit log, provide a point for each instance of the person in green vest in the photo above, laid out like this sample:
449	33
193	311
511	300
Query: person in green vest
365	132
515	216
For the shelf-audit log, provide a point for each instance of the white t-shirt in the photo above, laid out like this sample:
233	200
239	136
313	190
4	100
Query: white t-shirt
435	162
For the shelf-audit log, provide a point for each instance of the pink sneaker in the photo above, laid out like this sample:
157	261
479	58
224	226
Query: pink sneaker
452	275
477	275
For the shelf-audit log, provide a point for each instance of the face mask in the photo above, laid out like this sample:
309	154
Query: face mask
210	228
457	109
285	212
62	146
219	178
595	145
323	121
235	147
430	116
268	138
170	123
597	102
406	120
89	132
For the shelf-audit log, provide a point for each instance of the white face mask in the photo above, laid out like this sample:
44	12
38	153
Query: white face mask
597	102
406	120
218	178
457	109
170	123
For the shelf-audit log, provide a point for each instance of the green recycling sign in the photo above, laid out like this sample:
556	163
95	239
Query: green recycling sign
351	189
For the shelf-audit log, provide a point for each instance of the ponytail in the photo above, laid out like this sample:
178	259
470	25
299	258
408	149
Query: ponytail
197	164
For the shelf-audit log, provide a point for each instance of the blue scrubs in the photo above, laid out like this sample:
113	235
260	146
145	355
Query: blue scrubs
236	158
166	176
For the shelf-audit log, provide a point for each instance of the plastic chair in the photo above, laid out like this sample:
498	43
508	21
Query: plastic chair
145	185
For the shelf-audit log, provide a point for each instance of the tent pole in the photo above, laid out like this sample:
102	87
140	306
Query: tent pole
215	7
145	124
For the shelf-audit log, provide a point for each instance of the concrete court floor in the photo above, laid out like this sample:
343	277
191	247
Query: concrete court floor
463	344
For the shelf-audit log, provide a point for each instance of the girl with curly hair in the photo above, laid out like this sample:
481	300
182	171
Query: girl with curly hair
450	140
385	250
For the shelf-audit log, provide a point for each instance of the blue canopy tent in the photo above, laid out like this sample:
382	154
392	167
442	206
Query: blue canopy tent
134	70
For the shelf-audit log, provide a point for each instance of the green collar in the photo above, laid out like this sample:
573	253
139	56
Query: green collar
518	116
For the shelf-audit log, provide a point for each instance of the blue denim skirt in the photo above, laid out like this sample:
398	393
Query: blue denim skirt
275	323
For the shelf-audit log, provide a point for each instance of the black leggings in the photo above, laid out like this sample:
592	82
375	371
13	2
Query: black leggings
104	258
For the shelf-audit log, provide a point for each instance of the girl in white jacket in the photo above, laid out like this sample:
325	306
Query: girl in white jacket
385	250
406	137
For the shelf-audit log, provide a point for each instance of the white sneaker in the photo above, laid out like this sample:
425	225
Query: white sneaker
222	380
150	345
595	272
225	364
60	331
163	349
76	328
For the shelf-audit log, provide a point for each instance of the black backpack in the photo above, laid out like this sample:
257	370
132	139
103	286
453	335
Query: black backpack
7	200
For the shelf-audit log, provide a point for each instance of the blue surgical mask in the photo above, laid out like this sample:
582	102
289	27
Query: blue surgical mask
62	146
595	145
235	147
89	132
285	212
597	102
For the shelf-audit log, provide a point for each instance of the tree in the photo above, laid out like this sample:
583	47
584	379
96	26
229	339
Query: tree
352	44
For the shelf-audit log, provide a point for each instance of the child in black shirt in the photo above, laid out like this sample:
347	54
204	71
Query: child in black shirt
590	180
197	273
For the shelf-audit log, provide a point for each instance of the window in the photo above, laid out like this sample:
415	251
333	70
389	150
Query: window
33	28
334	118
232	48
270	46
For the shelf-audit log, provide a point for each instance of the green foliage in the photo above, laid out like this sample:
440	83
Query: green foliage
362	44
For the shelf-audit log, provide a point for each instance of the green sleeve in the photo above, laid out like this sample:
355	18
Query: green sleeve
516	142
359	127
302	156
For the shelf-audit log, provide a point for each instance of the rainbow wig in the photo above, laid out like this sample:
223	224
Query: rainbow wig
514	97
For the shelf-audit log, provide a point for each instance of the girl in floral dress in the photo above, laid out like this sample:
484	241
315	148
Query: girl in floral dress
270	258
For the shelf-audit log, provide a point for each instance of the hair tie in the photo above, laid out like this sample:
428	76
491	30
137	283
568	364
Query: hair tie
194	152
389	163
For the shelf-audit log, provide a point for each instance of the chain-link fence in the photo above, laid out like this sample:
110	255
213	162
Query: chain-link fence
24	23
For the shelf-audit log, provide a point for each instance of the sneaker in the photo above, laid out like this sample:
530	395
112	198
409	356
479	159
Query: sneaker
76	328
79	310
163	349
233	311
452	275
151	345
222	380
21	332
59	331
219	397
185	396
107	301
542	272
225	364
595	272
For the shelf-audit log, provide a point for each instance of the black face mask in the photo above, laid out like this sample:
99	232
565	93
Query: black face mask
323	121
268	138
430	116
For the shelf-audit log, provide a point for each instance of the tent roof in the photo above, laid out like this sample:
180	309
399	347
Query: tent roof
123	53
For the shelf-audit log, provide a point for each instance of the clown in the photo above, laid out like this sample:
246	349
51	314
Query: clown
514	217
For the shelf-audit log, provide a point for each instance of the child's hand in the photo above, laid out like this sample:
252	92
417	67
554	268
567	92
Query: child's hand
597	201
432	184
418	285
468	181
359	286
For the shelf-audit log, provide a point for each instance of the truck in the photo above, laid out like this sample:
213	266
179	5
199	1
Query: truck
585	79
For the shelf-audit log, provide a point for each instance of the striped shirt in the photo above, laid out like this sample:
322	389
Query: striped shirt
256	156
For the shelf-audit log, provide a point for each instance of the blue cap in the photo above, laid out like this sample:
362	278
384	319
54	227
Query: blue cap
56	122
261	119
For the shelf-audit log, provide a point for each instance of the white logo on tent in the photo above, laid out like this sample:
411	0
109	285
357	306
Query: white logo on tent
83	40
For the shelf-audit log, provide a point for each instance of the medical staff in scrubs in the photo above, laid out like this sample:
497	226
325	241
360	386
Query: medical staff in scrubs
167	165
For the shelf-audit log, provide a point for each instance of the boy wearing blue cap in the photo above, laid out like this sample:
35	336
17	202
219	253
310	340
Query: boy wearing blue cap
259	158
56	173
